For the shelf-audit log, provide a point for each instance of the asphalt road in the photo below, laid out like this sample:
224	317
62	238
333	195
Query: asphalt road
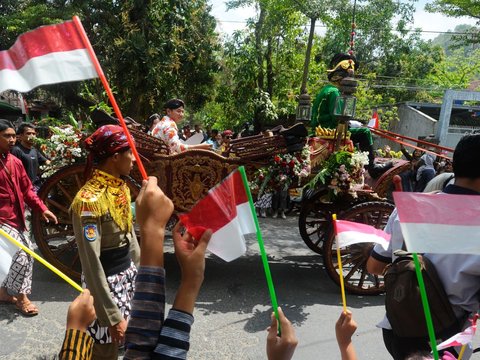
233	309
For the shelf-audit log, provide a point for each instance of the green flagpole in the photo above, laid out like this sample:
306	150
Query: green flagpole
266	266
426	307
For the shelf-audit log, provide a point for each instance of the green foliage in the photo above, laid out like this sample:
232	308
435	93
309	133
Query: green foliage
150	50
456	72
455	8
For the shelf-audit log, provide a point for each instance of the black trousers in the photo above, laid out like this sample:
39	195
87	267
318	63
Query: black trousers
280	200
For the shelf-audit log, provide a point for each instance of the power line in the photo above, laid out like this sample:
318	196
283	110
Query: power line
405	30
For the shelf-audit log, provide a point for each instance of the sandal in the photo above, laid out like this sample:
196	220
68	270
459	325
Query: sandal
27	308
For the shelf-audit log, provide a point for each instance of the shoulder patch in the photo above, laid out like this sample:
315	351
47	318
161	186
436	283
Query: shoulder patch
90	232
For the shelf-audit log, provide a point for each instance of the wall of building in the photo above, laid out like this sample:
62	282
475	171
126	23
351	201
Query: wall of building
412	123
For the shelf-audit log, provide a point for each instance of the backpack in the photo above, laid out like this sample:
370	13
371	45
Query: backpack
403	301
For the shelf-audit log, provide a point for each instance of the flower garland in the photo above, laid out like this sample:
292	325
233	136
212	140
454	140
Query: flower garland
63	148
282	171
341	172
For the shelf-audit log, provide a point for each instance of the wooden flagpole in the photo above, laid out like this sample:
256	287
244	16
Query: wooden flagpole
103	79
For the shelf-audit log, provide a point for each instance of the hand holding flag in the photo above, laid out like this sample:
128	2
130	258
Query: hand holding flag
229	211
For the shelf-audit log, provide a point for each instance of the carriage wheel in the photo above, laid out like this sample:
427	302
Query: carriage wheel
314	222
57	241
354	257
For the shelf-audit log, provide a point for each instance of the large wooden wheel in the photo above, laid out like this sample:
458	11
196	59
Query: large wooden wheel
315	221
57	241
354	258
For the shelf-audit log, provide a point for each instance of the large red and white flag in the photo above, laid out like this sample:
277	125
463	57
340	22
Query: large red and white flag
349	233
226	210
47	55
439	223
374	121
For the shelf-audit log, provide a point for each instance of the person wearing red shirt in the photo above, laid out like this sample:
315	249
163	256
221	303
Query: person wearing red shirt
16	190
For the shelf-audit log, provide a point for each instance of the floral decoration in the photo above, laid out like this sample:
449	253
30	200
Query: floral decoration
282	171
62	148
342	172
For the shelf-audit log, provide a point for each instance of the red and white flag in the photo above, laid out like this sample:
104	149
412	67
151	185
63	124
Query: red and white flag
7	251
462	338
439	223
374	121
226	210
349	233
47	55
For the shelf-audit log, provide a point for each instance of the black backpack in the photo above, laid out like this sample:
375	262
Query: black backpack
403	301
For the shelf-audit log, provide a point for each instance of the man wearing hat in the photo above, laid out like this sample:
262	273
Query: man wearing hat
107	246
342	66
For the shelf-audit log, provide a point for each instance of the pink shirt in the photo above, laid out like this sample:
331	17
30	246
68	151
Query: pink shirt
167	130
16	190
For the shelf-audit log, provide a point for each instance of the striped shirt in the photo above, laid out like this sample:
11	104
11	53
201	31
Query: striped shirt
77	345
148	336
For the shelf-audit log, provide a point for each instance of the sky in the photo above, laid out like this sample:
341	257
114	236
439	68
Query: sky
229	21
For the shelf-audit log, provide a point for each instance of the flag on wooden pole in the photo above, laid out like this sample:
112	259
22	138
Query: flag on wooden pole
349	233
47	55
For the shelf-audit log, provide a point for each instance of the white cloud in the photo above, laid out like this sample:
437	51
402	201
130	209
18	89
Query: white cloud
437	22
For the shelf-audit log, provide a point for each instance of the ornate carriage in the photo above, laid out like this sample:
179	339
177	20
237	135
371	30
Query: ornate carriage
186	177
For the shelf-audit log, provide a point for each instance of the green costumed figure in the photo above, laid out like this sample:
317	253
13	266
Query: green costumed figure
342	66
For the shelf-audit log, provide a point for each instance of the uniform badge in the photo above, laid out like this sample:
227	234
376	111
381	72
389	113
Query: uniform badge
90	232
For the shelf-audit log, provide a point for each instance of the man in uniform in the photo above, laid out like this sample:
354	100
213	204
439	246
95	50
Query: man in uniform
342	66
108	248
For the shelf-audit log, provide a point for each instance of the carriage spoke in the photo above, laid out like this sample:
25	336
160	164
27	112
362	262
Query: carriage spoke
362	277
57	205
74	261
65	192
77	180
352	271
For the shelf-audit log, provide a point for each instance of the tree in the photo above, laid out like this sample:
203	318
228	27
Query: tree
456	8
150	50
456	72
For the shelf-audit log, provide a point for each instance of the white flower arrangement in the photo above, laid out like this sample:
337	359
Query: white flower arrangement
62	148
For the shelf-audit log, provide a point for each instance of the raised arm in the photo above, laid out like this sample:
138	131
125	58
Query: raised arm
175	335
153	210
